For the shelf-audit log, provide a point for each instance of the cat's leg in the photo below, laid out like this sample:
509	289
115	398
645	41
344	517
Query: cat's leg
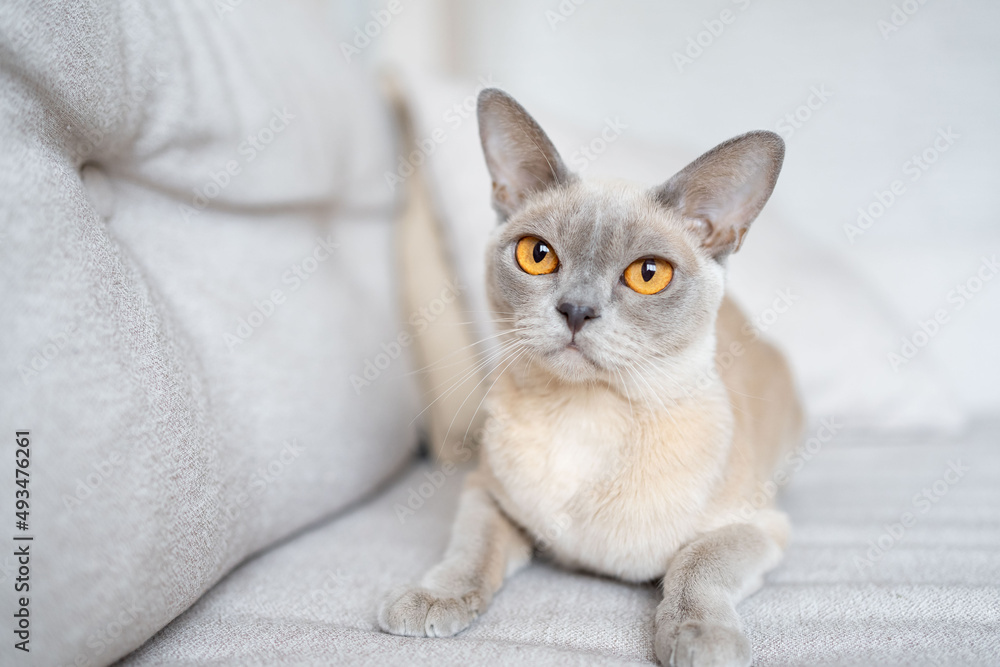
697	623
485	547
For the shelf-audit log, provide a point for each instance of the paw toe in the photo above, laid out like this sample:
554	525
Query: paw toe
447	616
701	644
418	612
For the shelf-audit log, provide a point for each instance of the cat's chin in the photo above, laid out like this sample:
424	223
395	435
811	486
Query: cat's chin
572	364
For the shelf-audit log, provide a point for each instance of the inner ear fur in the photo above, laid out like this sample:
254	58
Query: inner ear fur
724	190
519	155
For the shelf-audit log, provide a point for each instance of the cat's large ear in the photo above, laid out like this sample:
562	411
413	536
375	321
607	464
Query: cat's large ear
722	192
520	157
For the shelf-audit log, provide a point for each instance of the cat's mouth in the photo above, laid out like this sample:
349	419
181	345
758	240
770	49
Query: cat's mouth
571	362
574	353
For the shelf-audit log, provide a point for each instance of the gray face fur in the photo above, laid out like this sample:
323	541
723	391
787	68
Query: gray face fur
693	221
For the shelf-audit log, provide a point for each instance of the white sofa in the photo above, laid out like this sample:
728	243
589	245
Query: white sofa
197	258
932	599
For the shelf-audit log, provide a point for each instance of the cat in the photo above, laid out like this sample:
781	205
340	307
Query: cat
618	442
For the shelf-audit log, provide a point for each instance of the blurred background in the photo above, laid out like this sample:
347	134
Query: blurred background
861	91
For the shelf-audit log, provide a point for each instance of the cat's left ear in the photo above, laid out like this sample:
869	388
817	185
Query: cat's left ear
722	192
519	155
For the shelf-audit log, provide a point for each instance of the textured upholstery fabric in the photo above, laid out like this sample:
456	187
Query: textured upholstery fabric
165	169
931	599
192	203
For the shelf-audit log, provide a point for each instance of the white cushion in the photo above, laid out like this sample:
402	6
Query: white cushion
183	364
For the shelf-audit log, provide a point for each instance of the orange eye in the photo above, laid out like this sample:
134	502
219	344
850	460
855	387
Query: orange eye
535	256
648	275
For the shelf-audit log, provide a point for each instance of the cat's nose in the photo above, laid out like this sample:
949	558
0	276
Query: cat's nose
576	316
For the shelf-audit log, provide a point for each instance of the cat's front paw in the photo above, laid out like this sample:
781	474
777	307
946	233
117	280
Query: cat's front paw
701	644
419	612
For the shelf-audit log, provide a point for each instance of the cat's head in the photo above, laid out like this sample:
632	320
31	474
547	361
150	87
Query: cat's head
614	282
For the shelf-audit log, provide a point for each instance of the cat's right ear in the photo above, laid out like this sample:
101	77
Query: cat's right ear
519	155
